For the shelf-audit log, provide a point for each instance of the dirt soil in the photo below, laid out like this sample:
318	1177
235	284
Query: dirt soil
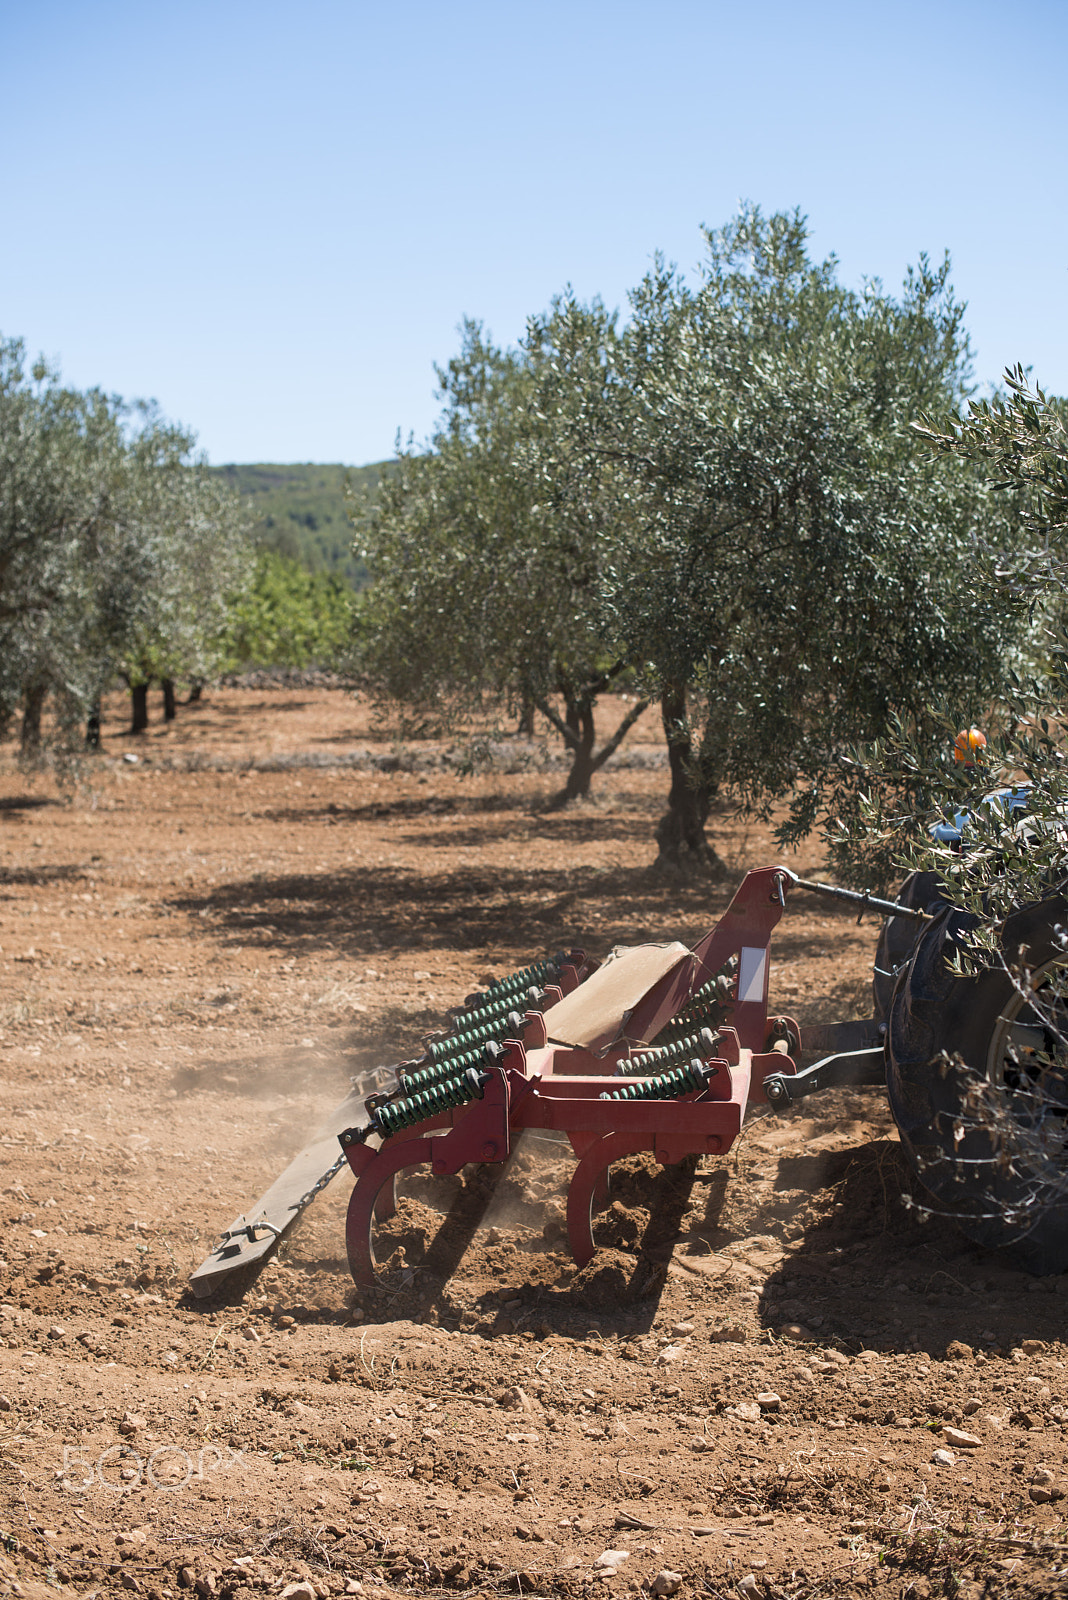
744	1393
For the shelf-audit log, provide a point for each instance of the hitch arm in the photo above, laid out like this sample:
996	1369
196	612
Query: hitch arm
833	1072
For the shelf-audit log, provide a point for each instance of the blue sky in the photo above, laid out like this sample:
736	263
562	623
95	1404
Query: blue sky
271	217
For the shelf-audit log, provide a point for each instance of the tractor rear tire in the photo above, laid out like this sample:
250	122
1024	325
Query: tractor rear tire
897	938
945	1032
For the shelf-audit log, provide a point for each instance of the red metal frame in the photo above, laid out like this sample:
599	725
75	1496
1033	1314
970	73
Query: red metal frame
547	1085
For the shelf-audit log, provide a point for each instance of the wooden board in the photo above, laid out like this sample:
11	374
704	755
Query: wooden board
280	1205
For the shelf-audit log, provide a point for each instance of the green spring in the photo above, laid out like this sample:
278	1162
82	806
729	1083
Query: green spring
502	988
709	1013
413	1108
440	1071
494	1013
667	1086
662	1056
456	1044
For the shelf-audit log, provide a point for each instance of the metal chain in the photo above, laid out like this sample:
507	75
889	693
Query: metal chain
320	1185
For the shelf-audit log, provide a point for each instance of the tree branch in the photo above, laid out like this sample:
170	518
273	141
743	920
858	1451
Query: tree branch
620	734
570	738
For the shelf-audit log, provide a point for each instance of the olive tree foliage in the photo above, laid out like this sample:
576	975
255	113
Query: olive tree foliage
117	553
1019	443
61	474
796	568
179	556
485	592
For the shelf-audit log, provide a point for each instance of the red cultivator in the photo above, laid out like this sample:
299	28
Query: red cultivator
660	1048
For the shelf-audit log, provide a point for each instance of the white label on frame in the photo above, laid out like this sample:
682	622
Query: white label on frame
751	965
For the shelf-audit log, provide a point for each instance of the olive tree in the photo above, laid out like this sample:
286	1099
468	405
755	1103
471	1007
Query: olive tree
796	571
62	460
905	782
486	592
179	556
118	553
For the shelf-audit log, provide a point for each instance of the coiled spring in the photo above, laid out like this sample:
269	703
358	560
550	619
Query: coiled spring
666	1055
666	1086
441	1071
412	1108
501	988
444	1050
522	1000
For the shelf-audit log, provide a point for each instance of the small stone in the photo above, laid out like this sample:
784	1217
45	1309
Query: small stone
516	1399
962	1440
797	1333
971	1407
186	1577
1032	1347
5	1403
353	1586
1042	1475
731	1334
681	1330
286	1322
745	1411
131	1423
1040	1494
957	1350
666	1582
610	1560
769	1401
135	1539
57	1331
669	1354
944	1458
749	1584
299	1591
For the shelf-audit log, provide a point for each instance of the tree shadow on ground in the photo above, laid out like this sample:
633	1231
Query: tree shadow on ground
11	805
465	908
40	877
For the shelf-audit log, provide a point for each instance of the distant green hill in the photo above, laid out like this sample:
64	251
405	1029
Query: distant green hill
301	511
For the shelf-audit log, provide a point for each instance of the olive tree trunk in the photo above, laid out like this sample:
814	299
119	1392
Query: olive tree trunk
682	846
139	707
579	733
32	706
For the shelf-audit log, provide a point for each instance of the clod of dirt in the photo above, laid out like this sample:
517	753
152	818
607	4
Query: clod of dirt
608	1280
